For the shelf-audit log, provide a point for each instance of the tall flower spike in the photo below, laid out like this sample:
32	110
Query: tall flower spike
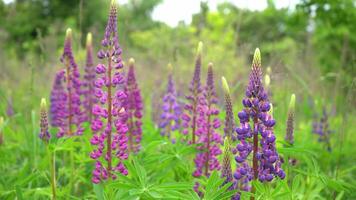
134	107
322	129
255	134
109	114
229	115
89	78
71	116
1	130
58	107
290	121
44	134
10	108
171	109
189	118
207	124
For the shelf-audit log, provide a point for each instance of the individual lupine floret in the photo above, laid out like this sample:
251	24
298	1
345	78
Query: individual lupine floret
89	78
290	121
265	160
44	134
109	113
72	116
322	129
134	107
207	124
171	109
189	118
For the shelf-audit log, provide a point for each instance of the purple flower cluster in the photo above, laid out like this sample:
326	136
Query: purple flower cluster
171	109
207	123
258	111
65	101
89	78
44	134
322	129
189	118
109	113
134	107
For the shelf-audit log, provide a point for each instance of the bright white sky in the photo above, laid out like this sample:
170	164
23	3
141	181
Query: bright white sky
173	11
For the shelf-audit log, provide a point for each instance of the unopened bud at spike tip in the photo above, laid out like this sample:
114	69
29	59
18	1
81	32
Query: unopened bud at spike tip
170	67
89	39
43	103
200	48
257	58
292	102
69	33
225	85
131	61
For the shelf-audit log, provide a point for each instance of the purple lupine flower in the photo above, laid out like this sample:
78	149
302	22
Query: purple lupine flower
44	134
322	129
134	107
207	124
290	121
58	107
69	99
89	78
189	118
109	113
258	138
171	109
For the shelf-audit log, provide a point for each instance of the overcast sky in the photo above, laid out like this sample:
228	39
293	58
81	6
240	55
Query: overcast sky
173	11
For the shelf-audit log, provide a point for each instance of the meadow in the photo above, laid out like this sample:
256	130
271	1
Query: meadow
114	105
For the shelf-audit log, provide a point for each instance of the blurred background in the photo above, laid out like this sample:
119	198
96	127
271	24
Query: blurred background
310	45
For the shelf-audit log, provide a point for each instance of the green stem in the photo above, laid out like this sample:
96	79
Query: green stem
52	163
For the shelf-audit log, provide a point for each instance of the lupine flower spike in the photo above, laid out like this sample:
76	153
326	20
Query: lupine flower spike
10	108
1	130
322	129
171	109
189	118
230	125
207	123
44	134
133	106
255	134
65	103
109	113
89	78
290	121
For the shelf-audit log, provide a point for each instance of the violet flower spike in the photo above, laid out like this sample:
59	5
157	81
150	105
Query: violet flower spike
255	134
290	121
171	109
89	78
58	107
322	129
189	118
134	108
207	124
109	113
44	134
71	116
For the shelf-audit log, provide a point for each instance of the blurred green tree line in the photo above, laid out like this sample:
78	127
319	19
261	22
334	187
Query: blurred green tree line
315	33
